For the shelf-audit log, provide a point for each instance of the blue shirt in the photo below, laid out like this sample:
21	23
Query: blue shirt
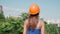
35	31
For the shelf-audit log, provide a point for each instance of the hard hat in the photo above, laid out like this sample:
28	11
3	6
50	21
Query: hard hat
34	9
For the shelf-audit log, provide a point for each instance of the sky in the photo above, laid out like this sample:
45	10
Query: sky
50	9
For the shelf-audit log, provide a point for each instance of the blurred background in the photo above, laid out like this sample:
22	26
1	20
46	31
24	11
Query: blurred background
14	12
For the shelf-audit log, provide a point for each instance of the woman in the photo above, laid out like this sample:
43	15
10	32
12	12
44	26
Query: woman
33	25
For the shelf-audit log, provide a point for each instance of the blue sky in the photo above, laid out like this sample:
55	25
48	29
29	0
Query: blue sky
50	9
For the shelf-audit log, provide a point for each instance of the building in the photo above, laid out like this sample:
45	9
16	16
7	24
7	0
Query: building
0	8
54	22
58	23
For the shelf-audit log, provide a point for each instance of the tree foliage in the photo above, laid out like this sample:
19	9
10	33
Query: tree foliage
1	16
13	25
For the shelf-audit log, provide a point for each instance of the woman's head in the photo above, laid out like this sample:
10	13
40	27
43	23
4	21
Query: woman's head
34	13
34	9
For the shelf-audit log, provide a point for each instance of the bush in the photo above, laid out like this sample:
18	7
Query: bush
51	29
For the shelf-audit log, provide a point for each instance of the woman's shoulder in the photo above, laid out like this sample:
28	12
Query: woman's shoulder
26	21
41	22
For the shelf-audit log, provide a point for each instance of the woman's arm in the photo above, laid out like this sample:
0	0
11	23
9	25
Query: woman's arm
42	28
25	27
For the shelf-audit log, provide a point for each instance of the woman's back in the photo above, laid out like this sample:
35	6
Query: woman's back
36	30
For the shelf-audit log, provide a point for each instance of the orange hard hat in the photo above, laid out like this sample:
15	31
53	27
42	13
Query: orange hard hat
34	9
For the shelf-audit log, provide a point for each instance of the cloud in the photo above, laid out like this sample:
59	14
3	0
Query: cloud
10	11
15	9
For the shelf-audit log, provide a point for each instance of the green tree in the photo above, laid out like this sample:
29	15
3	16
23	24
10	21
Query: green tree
1	16
51	29
13	25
